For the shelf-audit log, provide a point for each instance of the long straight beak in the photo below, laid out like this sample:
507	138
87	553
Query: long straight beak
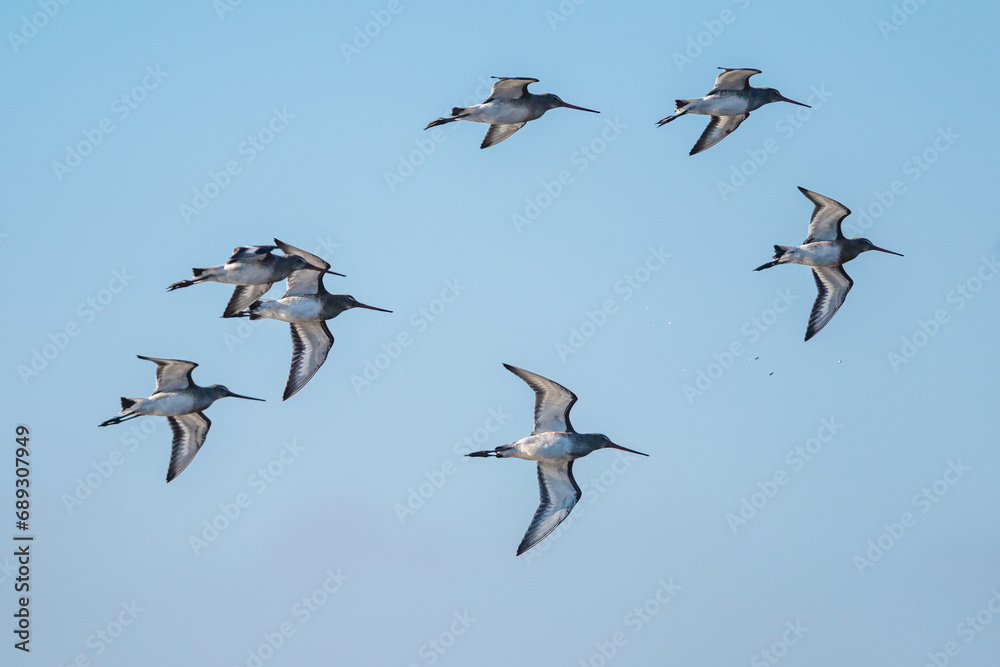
322	270
572	106
875	247
249	398
362	305
785	99
626	449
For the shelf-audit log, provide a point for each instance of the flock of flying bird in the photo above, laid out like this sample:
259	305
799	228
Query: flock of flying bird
553	443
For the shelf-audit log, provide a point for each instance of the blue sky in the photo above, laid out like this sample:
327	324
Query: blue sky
820	503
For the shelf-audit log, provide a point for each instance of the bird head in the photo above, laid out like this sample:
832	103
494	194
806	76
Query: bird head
865	245
224	392
552	101
604	442
299	263
346	302
773	95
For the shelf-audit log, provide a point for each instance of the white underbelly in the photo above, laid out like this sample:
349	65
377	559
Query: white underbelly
545	447
500	113
243	274
168	404
719	105
818	253
292	309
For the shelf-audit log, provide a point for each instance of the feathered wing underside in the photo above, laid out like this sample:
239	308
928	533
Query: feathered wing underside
498	133
242	297
303	281
558	493
189	432
172	374
552	401
311	343
833	284
824	225
246	253
733	79
509	88
719	127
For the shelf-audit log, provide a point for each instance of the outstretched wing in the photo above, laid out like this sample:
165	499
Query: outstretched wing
733	79
719	127
559	493
824	225
552	401
242	297
833	284
305	281
190	432
172	374
249	253
509	88
498	133
311	342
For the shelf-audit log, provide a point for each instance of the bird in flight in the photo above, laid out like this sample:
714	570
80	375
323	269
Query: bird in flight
554	445
729	103
826	250
182	402
507	109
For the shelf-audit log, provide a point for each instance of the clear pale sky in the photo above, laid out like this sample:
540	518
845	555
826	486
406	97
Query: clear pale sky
825	503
